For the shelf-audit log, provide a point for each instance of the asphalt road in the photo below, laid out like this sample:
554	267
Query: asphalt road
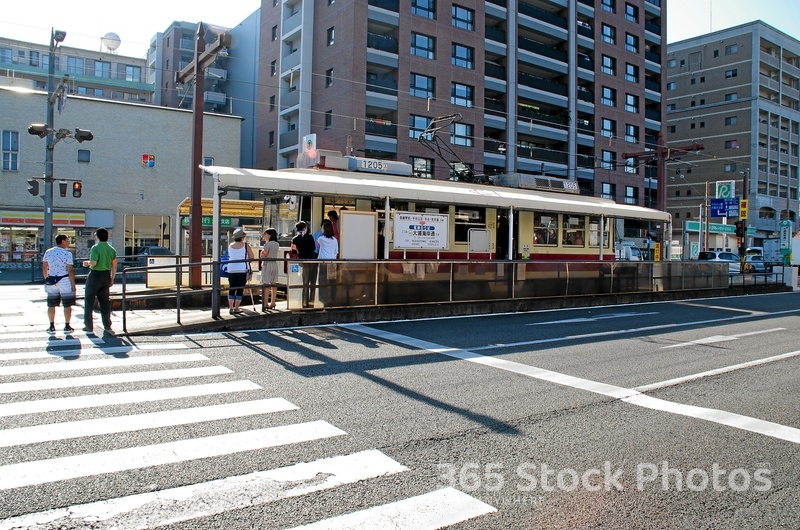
663	415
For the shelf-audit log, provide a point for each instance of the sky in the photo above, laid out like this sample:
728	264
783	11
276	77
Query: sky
137	22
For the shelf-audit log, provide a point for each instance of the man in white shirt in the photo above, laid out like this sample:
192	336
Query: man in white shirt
59	281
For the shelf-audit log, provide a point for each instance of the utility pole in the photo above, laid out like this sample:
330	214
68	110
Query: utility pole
661	155
55	38
203	58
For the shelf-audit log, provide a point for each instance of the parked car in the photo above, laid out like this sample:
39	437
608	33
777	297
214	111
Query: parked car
139	257
756	264
734	266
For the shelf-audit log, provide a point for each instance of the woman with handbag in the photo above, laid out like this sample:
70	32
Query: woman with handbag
269	269
238	270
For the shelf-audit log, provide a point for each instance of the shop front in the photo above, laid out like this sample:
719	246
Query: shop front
22	232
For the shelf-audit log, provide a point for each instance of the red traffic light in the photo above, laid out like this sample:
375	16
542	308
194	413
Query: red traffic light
77	189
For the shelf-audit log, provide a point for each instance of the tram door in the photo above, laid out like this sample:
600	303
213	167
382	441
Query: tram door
501	235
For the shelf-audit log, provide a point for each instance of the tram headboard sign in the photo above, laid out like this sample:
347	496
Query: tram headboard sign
373	165
421	231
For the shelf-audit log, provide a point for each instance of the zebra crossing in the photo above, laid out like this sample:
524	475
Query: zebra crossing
35	369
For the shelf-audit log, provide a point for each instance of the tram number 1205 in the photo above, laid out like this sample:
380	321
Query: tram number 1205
373	165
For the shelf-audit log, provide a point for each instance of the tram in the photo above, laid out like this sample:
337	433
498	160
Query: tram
435	219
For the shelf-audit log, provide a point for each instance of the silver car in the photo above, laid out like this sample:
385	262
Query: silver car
734	265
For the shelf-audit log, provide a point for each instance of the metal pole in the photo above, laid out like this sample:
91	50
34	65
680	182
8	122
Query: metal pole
707	218
49	144
215	280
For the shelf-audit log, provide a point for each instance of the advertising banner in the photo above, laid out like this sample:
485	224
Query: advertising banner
420	231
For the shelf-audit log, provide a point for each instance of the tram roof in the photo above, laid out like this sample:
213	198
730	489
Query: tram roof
377	186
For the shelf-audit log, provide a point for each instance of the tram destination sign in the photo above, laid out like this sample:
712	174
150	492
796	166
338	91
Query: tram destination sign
414	230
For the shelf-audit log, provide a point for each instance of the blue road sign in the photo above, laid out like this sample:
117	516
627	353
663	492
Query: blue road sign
724	207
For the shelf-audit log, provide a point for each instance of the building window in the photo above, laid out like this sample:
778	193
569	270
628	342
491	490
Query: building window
417	126
631	103
423	46
631	73
329	77
424	8
631	166
271	103
671	129
731	97
462	56
672	85
631	133
84	155
10	151
671	63
631	195
133	74
609	97
608	128
733	48
33	58
731	73
102	69
730	168
631	13
422	86
608	5
461	95
609	160
275	33
330	36
273	68
271	137
608	191
609	34
730	120
463	18
731	144
631	43
608	65
328	119
75	65
461	134
421	167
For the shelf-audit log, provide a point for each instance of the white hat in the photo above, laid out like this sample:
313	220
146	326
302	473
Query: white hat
238	233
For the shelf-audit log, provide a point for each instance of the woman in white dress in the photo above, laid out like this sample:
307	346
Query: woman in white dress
269	269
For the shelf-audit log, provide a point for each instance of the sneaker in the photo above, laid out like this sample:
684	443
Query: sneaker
52	328
87	329
68	328
108	331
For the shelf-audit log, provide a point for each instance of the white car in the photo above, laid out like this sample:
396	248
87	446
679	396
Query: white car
734	265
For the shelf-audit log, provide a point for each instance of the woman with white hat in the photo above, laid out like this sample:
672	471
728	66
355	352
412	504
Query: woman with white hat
237	272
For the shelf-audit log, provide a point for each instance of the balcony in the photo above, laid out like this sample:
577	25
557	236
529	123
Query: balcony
389	5
382	85
541	14
215	98
501	3
495	34
540	83
380	128
382	42
652	56
652	27
288	139
494	106
585	30
652	114
495	70
290	23
290	99
542	49
542	116
539	153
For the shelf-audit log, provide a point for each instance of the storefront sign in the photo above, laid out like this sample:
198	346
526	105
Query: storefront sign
208	221
31	218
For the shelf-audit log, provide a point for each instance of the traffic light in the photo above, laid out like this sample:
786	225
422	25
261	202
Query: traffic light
739	229
33	187
62	188
38	129
82	135
77	189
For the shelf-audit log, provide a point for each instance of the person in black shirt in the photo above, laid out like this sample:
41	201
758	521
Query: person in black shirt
304	247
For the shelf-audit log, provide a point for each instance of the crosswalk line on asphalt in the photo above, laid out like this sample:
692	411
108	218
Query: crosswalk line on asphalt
28	333
93	350
432	510
111	379
90	464
123	398
88	342
138	422
190	502
113	362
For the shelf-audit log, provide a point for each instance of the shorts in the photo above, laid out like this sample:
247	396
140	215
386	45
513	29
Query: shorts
60	293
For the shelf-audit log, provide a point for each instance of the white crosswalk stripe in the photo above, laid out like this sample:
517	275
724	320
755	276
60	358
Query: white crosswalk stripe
184	503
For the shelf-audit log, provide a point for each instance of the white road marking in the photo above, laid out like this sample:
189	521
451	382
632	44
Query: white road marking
104	363
433	510
718	371
190	502
592	319
720	338
87	342
122	398
766	428
111	379
94	350
749	312
138	422
91	464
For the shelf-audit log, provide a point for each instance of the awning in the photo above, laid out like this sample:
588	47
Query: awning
230	208
376	186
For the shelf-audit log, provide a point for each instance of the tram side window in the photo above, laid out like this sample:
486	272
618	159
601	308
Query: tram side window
545	229
573	229
466	219
594	232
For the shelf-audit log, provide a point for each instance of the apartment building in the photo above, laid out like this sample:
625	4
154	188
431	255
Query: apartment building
99	74
737	92
544	88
